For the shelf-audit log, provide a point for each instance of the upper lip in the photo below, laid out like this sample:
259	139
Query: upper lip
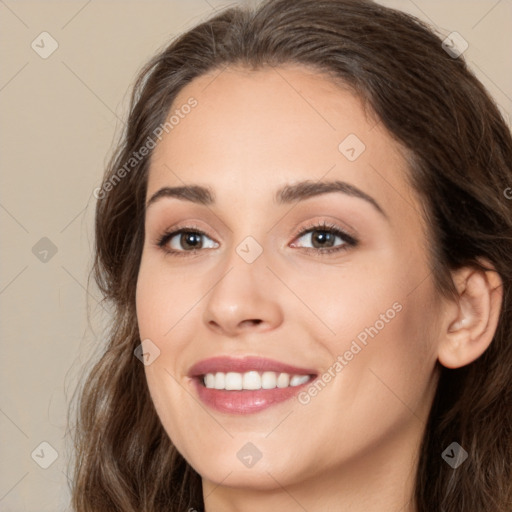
241	365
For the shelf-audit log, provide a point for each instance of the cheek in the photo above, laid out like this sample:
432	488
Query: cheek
181	418
393	355
164	300
163	315
385	325
348	305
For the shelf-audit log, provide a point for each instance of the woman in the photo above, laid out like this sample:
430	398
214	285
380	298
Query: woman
307	240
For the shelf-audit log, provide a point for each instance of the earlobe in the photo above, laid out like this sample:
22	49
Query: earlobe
472	317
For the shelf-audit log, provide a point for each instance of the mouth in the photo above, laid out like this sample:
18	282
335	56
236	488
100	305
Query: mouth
247	385
253	380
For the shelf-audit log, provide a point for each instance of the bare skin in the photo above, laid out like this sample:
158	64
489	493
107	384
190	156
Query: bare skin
353	444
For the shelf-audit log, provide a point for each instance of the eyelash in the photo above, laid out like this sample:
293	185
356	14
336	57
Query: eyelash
349	241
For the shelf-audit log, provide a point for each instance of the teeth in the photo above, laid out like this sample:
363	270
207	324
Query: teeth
220	380
233	381
209	380
251	380
283	380
297	380
268	380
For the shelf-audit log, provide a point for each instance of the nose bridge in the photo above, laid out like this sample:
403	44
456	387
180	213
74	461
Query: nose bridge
243	294
244	274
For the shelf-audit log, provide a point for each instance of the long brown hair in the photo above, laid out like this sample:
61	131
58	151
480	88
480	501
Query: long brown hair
461	165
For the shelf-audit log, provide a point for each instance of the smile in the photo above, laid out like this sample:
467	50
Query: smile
253	380
247	385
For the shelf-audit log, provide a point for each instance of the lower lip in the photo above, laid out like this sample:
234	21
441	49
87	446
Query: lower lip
245	401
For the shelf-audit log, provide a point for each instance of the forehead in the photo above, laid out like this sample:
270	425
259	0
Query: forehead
257	130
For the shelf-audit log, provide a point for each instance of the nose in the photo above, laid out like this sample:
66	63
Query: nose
244	299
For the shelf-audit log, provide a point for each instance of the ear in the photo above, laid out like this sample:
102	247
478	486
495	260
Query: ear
470	319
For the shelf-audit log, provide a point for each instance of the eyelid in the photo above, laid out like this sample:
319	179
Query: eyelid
349	241
168	234
319	225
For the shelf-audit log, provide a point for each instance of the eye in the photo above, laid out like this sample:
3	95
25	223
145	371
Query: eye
185	240
324	237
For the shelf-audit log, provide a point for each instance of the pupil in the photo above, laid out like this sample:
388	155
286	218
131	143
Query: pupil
190	240
320	237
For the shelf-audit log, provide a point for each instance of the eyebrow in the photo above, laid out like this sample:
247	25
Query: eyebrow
285	195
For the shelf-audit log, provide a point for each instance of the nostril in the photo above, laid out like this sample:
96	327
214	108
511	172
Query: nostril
256	321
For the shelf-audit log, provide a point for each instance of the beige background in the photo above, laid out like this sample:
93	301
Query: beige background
59	119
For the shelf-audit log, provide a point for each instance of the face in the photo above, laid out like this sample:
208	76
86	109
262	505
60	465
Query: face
295	282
